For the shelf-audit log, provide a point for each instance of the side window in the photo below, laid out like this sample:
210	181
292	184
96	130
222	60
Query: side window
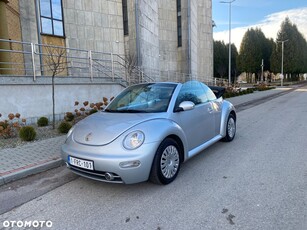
210	95
192	91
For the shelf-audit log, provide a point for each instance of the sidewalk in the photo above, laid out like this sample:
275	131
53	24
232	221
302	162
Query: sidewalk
19	162
239	100
32	158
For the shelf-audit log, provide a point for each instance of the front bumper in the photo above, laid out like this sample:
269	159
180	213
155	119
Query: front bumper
108	161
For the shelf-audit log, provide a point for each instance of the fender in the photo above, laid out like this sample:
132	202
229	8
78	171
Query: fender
156	130
227	108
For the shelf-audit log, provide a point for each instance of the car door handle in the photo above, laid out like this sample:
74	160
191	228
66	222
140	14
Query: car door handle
210	110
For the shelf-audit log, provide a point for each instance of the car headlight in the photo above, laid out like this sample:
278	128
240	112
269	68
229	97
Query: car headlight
134	140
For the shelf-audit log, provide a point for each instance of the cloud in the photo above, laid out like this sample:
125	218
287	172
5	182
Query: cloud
269	26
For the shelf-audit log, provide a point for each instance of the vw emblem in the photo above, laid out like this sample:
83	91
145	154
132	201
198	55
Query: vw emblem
88	137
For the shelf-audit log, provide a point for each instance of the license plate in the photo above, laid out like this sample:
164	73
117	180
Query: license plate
81	163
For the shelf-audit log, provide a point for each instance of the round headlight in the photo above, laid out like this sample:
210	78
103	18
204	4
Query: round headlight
134	140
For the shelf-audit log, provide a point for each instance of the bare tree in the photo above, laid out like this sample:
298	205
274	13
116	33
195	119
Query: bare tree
56	62
130	62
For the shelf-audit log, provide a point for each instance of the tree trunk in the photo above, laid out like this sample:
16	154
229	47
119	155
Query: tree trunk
53	104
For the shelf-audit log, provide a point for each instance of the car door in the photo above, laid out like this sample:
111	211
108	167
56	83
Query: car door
198	124
216	105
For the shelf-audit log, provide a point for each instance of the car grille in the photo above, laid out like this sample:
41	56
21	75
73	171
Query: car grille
96	175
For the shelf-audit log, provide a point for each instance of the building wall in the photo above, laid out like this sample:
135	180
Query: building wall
14	33
149	34
152	40
205	40
29	30
28	21
94	25
168	49
88	24
130	39
142	42
199	47
194	43
12	12
34	99
153	33
183	51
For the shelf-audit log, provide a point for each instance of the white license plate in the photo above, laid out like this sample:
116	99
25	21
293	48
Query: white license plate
81	163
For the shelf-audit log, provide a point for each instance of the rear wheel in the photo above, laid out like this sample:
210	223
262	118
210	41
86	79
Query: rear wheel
230	128
166	163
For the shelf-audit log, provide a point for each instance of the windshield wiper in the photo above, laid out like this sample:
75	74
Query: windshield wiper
110	111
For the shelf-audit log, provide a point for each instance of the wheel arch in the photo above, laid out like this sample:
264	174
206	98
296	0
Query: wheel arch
227	109
234	114
181	146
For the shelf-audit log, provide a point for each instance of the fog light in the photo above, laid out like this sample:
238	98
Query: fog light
129	164
109	176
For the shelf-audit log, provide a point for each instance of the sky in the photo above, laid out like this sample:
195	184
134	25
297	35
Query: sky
264	14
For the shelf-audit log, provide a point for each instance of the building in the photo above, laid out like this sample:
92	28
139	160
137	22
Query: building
168	40
108	44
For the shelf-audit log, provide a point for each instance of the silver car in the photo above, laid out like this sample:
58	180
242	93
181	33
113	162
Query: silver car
148	131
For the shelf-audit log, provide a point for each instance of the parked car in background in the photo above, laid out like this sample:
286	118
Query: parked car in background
148	131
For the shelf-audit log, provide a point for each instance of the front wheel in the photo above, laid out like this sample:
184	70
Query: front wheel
230	128
166	163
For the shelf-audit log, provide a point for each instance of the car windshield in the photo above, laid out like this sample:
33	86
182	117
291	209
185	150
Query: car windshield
143	98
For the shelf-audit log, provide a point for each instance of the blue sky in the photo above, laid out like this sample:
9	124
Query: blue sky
264	14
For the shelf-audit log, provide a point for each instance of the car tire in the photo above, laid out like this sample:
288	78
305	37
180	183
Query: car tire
166	163
230	128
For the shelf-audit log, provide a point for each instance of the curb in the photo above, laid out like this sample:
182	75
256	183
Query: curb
30	171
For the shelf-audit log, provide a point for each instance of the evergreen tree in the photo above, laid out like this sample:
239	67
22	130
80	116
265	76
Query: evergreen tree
220	59
234	56
295	50
254	47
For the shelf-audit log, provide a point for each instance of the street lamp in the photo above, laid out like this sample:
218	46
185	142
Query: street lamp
229	62
282	61
262	65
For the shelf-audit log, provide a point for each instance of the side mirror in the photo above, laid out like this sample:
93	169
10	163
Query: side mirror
186	105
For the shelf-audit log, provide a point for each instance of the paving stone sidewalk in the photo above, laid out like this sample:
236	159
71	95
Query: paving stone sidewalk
25	160
19	162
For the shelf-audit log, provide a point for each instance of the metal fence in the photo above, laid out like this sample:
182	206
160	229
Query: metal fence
31	59
174	76
35	60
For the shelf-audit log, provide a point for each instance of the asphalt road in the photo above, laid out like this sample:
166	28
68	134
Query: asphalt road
258	181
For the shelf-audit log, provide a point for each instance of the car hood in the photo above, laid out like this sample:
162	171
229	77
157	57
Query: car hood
103	127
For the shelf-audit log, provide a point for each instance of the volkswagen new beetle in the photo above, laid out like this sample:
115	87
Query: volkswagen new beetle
148	131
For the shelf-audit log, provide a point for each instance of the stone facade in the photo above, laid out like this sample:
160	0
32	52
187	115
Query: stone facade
94	25
168	49
152	39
